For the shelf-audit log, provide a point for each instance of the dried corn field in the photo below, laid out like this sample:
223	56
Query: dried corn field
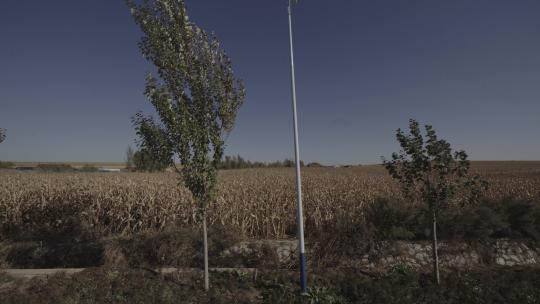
259	203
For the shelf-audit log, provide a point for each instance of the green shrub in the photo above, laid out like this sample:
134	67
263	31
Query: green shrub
319	295
488	220
523	218
394	220
402	269
507	218
53	255
173	248
401	233
473	223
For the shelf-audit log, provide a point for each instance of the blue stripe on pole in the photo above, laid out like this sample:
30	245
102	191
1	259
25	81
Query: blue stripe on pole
303	276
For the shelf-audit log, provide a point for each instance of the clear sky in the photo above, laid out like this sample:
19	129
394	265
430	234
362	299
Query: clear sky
71	76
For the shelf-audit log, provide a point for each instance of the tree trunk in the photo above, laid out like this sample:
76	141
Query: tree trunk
435	249
205	241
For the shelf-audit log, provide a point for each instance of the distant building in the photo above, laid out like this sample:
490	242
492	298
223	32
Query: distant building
25	168
108	170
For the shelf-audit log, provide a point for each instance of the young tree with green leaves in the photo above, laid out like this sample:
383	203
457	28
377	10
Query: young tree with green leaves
196	98
431	173
146	161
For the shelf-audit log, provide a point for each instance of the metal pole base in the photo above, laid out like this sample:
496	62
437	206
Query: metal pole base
303	276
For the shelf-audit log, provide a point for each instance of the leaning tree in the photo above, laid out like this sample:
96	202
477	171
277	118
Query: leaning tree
431	173
196	97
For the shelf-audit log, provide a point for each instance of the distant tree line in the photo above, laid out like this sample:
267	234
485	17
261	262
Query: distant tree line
145	161
238	162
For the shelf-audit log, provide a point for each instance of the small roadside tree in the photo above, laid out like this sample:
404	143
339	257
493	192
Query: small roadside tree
196	98
130	158
431	173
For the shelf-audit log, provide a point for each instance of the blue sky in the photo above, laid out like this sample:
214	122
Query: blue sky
71	76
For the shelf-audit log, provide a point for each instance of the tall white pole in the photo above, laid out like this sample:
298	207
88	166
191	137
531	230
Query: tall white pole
300	219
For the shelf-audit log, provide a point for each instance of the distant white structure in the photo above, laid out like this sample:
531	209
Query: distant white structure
108	170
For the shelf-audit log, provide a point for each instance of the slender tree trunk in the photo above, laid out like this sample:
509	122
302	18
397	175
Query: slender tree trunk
205	241
435	249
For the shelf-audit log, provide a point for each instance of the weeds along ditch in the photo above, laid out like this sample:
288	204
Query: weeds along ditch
89	219
105	285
